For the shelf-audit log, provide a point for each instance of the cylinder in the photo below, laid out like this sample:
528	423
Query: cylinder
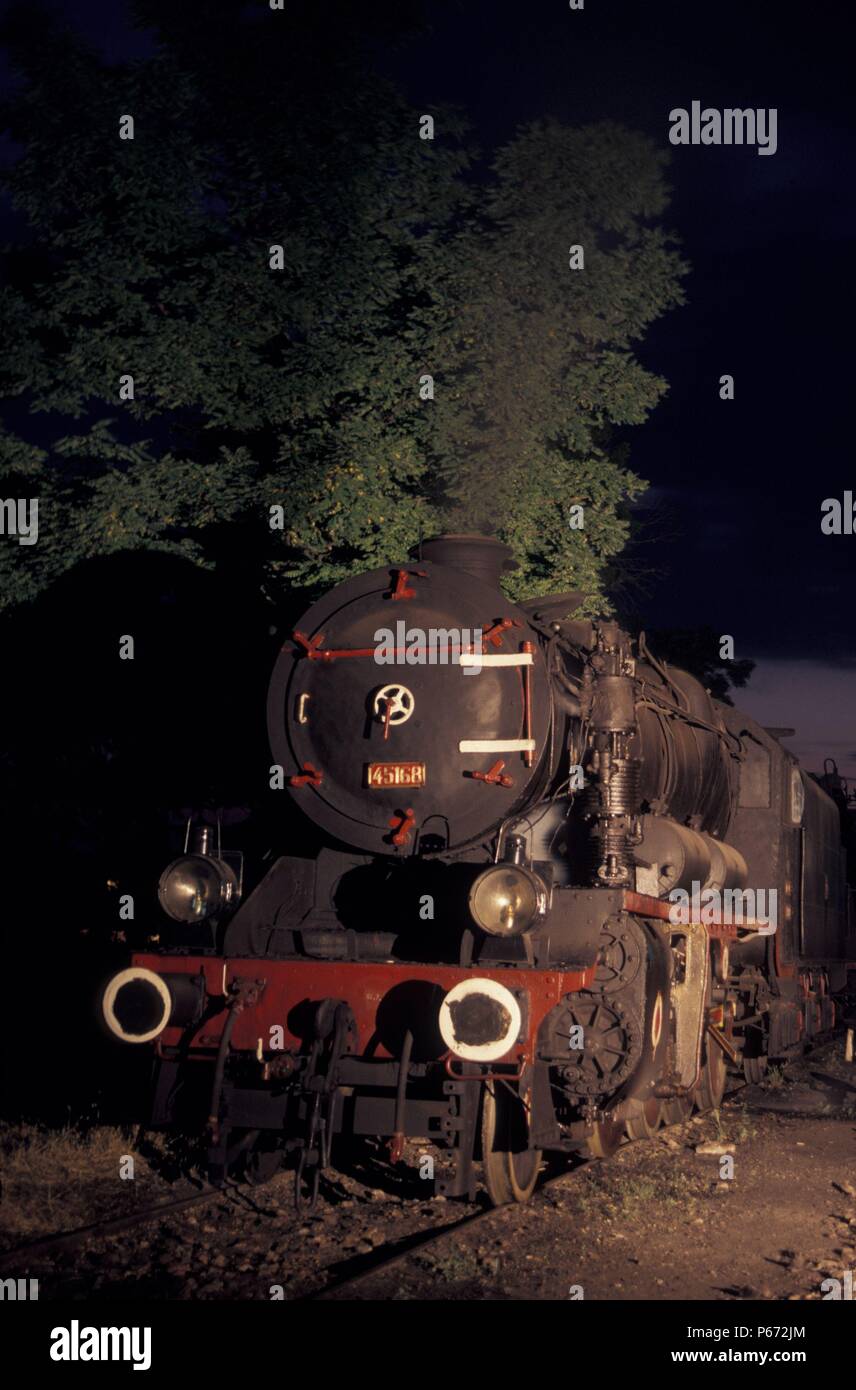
728	868
138	1004
484	557
687	770
675	856
613	704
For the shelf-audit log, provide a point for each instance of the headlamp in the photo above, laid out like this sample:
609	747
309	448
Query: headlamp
507	899
196	887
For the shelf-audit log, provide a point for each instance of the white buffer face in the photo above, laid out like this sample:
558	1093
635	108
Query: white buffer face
480	1020
140	998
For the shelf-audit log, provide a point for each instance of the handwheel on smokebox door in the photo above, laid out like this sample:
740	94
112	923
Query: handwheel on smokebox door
645	1118
510	1169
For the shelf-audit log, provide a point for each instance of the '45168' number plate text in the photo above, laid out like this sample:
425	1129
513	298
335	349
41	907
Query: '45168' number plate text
395	775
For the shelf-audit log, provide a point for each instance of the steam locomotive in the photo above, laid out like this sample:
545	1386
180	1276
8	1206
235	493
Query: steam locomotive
530	918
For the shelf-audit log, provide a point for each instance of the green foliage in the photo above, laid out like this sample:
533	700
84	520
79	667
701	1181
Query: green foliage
541	370
300	387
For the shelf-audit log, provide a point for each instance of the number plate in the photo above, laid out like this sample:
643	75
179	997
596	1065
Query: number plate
381	775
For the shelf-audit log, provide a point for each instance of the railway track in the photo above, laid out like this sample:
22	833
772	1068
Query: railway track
411	1245
64	1241
69	1240
408	1245
405	1246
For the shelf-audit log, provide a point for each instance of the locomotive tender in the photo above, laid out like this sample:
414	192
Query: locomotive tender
483	952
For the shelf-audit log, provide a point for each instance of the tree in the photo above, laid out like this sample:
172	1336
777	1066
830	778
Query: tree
150	258
562	272
265	379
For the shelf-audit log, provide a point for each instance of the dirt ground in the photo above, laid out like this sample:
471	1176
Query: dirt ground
657	1221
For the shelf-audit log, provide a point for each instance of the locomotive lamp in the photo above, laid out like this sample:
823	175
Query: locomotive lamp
507	899
198	885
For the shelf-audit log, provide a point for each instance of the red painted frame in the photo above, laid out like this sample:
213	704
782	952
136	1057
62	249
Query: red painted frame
364	986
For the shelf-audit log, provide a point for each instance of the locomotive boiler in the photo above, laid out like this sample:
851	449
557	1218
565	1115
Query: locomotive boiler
555	890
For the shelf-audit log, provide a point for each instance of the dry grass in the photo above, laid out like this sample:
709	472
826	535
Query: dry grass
55	1180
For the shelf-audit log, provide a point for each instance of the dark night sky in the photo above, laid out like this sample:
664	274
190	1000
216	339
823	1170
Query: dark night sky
770	240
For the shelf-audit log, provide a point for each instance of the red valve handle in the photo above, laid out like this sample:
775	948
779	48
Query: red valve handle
495	776
310	777
310	645
494	633
405	822
401	590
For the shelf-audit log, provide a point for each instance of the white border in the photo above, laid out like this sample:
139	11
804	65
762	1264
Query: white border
481	1052
135	972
